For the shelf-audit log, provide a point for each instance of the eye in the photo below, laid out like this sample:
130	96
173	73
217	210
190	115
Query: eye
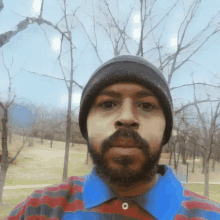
148	106
107	105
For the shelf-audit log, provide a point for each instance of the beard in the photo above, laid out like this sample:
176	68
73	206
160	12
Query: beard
125	176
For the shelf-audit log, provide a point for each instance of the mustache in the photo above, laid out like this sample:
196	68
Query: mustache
127	134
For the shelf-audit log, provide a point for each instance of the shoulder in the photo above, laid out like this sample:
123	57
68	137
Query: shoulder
195	205
52	199
198	200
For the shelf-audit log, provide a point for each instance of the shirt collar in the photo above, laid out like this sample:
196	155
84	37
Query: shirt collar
96	191
162	201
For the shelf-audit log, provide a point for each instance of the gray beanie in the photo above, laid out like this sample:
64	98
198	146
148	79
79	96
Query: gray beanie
127	68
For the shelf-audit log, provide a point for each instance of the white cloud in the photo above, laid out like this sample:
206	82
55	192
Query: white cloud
173	41
64	99
137	33
136	29
56	43
75	98
136	18
36	5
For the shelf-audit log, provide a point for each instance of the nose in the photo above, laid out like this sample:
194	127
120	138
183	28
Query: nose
127	117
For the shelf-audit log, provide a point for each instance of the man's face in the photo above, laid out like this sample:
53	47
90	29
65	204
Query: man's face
125	129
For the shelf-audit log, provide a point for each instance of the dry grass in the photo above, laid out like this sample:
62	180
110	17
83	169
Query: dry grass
197	176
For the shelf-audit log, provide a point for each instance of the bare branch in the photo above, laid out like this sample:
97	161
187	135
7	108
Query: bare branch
18	152
22	25
186	22
94	46
2	106
204	84
1	5
143	20
193	103
61	66
45	35
9	78
198	110
81	87
167	14
115	23
41	8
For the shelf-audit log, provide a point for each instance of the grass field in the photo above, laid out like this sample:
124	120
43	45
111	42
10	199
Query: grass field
41	165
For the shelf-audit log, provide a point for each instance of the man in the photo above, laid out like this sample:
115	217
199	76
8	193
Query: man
126	117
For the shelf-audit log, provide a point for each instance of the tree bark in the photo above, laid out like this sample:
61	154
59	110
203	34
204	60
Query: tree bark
4	168
52	138
203	164
183	153
10	136
171	153
213	164
174	157
4	164
194	158
42	137
68	118
206	187
72	138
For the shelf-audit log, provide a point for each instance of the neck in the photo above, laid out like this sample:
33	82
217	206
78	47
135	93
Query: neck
136	189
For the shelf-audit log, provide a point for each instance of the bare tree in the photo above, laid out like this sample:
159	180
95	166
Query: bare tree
69	29
188	45
5	107
207	138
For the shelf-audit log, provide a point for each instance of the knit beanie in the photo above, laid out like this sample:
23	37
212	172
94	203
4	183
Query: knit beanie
127	68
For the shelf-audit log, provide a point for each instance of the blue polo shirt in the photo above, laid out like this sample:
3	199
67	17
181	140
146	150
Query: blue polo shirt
162	201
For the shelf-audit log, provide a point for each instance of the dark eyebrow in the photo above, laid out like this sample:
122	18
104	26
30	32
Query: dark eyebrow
139	94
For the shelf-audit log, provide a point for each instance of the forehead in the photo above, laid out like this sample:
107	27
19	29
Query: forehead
127	88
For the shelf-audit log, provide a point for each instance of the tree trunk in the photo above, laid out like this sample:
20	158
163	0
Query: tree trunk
68	118
174	156
32	140
171	153
72	138
51	140
23	136
203	164
213	164
42	137
87	157
184	153
4	164
66	158
206	186
194	158
4	167
178	157
10	136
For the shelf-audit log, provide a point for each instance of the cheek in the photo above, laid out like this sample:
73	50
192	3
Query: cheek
98	131
99	127
153	131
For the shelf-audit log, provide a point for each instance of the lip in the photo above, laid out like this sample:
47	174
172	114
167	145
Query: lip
122	142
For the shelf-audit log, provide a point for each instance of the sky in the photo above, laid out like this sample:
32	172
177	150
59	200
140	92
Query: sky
32	50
